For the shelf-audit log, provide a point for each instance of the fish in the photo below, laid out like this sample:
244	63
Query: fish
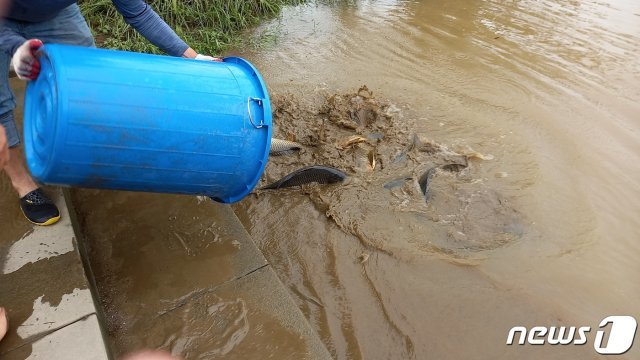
425	179
309	174
421	143
453	167
283	147
401	157
396	183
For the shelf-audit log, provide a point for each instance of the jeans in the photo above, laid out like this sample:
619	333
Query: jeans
68	27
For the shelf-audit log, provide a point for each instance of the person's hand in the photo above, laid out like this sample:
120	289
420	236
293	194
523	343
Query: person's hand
192	54
4	148
24	60
207	58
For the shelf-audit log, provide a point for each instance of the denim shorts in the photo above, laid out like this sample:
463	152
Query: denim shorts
67	27
9	124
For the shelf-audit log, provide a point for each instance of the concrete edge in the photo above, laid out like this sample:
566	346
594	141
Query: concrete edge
318	346
80	244
89	274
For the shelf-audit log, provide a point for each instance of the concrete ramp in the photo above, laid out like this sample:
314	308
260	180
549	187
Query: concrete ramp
181	273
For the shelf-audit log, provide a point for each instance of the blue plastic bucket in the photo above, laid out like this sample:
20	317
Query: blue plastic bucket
121	120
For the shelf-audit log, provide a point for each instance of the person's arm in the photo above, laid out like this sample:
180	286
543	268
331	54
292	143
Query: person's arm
10	41
4	148
22	52
142	17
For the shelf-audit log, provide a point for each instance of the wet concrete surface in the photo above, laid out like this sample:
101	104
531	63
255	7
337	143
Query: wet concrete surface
241	319
44	288
180	273
79	340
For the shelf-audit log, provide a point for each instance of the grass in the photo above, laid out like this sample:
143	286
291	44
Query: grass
208	26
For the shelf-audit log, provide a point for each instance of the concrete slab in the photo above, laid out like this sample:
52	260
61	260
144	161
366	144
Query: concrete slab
142	254
42	283
187	277
248	318
79	340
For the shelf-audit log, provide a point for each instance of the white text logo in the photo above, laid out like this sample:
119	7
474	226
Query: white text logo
620	336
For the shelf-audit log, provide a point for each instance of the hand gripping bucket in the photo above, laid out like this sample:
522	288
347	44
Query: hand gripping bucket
121	120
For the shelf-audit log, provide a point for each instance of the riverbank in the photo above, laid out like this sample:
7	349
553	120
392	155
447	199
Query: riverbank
208	26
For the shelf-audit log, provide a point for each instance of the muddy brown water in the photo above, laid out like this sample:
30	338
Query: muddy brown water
541	228
545	233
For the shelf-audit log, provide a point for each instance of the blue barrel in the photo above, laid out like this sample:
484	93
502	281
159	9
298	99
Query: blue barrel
122	120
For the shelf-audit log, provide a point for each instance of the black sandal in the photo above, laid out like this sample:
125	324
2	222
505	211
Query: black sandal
39	209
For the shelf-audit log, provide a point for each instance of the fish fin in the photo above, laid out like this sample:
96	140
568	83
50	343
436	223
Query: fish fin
284	152
425	180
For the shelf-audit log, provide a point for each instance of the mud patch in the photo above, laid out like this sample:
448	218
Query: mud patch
382	202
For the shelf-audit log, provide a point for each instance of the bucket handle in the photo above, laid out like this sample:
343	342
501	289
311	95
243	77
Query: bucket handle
259	101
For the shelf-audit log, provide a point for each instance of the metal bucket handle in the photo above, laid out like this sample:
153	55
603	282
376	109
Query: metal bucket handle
259	101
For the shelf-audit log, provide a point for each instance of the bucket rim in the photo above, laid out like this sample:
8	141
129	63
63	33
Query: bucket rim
267	124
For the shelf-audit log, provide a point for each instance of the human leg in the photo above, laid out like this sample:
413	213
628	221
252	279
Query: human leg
15	169
67	27
18	174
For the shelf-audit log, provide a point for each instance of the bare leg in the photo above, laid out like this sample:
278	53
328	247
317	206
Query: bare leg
20	178
3	323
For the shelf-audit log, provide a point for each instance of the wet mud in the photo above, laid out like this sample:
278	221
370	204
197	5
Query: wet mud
383	202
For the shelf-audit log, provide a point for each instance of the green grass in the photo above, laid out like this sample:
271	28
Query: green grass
208	26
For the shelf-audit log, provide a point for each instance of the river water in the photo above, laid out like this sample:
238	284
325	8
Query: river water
547	91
